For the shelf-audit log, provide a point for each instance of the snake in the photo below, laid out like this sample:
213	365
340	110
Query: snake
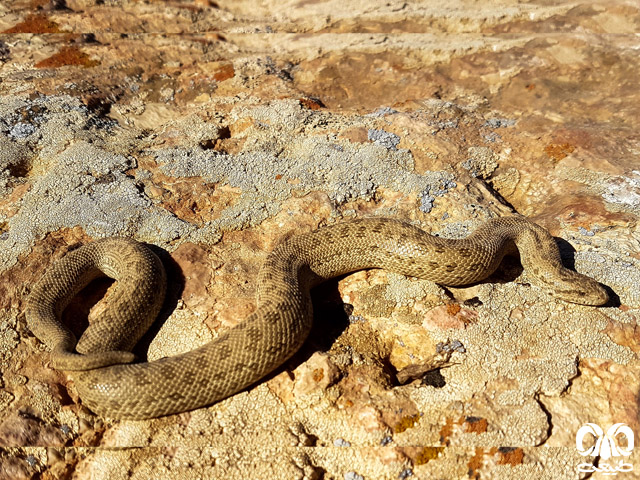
111	384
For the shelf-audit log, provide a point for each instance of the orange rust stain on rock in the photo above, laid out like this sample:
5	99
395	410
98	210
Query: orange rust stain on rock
510	456
446	431
35	24
453	309
476	425
318	374
475	463
557	151
225	72
310	104
67	56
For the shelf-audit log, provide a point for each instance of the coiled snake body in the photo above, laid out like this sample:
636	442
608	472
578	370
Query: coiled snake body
111	386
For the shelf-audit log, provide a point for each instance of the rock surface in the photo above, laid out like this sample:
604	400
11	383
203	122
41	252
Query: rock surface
215	129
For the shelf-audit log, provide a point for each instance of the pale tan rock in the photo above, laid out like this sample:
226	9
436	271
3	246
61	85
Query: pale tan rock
315	375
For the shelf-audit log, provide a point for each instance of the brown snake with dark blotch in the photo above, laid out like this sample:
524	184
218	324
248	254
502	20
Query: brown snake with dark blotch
113	387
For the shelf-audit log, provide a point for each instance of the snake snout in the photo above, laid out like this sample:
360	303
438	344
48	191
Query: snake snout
596	295
588	292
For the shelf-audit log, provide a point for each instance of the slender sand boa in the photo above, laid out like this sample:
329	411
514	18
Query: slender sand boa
113	387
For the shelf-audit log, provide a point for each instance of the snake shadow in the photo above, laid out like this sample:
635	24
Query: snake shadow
568	255
511	268
330	319
330	314
76	314
175	287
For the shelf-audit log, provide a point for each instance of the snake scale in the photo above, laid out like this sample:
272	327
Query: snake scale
110	385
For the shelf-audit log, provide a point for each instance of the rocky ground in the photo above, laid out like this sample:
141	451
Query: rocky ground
213	129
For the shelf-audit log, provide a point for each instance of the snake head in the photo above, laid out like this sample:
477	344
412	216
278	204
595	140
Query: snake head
580	289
